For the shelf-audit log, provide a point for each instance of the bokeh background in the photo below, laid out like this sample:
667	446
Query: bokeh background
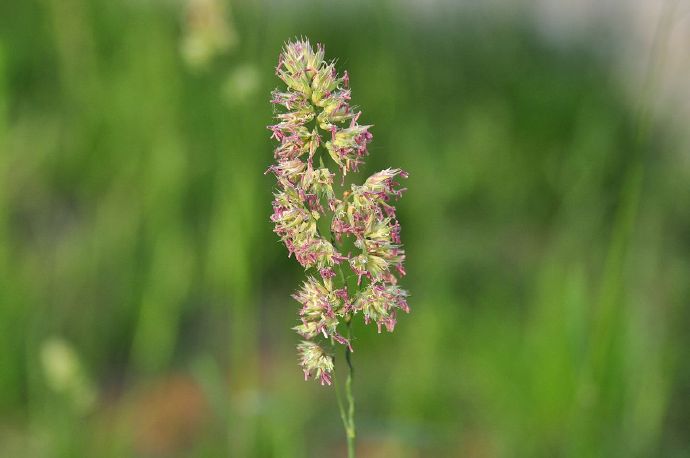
145	303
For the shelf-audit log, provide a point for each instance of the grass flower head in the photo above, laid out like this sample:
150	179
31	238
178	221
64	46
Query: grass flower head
316	125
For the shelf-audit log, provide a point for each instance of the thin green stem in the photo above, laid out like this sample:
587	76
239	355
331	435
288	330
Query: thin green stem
347	415
351	433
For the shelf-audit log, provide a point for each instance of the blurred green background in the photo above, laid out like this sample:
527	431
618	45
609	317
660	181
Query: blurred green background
145	302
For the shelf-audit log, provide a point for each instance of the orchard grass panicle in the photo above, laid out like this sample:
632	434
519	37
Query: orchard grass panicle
347	239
